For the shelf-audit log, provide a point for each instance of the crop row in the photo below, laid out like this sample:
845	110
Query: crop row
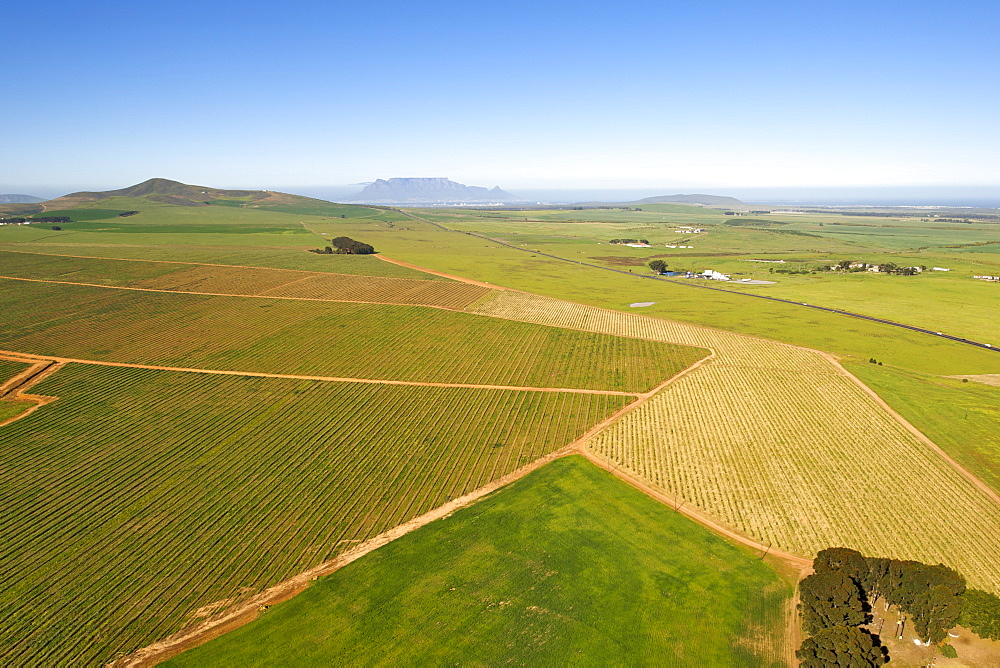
9	369
47	266
779	443
323	338
140	496
240	280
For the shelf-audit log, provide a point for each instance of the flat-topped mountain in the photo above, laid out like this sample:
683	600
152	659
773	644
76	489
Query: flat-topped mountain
696	199
427	191
20	199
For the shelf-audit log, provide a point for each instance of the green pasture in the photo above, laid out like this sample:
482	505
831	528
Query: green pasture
465	255
960	417
567	566
323	339
138	496
9	409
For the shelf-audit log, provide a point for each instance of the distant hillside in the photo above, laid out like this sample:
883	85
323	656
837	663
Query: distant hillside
427	191
165	191
707	200
20	199
157	190
717	201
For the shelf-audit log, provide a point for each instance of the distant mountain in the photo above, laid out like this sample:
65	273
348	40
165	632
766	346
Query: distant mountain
157	190
717	201
20	199
427	191
707	200
165	191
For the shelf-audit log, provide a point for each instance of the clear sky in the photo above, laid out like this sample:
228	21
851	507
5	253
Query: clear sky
628	94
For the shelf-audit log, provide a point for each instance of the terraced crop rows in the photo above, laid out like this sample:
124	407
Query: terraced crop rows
322	339
271	257
140	496
246	281
779	443
9	369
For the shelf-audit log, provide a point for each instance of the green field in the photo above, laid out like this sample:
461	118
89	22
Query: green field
9	409
566	566
323	339
139	496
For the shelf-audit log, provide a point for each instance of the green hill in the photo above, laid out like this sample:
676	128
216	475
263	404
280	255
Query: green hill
165	191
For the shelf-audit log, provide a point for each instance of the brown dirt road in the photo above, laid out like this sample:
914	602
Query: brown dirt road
38	359
248	610
15	388
460	279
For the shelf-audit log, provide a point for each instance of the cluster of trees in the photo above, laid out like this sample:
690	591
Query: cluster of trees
837	598
629	241
126	214
346	245
658	266
884	268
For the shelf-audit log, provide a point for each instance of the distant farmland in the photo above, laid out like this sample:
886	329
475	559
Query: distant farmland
245	281
140	496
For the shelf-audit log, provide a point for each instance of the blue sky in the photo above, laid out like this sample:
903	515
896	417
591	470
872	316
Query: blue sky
677	96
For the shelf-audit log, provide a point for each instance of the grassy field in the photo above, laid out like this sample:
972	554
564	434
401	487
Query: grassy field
323	339
778	443
139	496
566	566
959	417
9	408
464	255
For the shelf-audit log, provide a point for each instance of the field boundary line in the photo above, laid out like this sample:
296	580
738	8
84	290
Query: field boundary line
14	388
230	294
249	610
677	503
961	470
332	379
247	266
460	279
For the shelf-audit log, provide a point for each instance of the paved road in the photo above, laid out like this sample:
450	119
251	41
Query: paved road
701	283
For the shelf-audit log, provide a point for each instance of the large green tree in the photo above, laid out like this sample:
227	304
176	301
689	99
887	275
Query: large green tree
658	266
839	647
830	599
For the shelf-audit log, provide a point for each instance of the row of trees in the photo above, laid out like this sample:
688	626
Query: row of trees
884	268
838	596
629	241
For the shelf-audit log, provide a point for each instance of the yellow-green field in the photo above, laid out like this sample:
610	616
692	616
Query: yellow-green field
781	444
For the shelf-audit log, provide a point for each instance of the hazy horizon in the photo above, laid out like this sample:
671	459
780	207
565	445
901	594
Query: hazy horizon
945	196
